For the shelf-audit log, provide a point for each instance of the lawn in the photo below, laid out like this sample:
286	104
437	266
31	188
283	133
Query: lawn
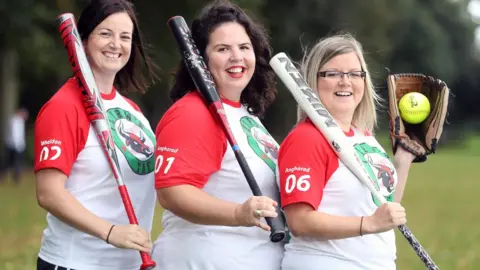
441	201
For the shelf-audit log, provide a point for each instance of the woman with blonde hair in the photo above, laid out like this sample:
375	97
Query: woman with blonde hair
335	221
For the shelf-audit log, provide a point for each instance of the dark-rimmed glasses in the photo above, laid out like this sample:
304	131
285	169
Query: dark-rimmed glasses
339	74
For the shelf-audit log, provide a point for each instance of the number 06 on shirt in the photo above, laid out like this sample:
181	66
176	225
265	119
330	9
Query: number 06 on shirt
293	182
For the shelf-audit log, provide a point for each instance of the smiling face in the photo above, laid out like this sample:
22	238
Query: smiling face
109	45
231	59
341	93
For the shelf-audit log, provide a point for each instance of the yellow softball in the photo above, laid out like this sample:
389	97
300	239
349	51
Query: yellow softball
414	108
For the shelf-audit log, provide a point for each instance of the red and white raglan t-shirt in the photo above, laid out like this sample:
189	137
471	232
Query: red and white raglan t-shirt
193	150
311	173
65	140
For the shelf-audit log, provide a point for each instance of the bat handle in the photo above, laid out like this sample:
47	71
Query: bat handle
407	233
277	227
418	248
147	262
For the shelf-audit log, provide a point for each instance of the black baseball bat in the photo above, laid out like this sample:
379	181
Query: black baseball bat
205	84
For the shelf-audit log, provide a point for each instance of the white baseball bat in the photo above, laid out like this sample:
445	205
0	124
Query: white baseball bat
326	124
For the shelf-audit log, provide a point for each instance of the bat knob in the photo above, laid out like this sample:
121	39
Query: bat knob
148	265
277	236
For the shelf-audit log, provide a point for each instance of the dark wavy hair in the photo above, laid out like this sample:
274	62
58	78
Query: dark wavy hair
131	77
260	92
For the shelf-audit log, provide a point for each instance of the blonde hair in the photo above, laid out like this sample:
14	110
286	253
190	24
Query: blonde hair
365	115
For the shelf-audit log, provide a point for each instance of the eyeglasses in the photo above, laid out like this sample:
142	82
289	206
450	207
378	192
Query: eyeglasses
339	74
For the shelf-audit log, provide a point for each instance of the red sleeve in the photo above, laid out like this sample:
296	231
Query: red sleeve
61	130
190	145
305	164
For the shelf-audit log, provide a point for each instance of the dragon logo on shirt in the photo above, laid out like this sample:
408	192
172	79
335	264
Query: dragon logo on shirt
133	139
136	142
260	141
380	168
384	173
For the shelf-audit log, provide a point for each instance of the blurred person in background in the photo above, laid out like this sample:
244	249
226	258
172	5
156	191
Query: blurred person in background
15	145
211	220
87	226
335	221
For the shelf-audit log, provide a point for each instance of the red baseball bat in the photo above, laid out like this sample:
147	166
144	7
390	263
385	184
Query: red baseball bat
93	104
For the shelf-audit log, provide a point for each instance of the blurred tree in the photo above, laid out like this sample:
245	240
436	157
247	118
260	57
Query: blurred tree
10	27
440	41
153	18
29	45
429	36
434	37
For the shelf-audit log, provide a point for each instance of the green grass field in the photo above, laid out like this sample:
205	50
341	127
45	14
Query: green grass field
440	198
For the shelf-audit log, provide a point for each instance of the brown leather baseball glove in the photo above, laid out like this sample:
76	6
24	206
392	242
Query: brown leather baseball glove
419	139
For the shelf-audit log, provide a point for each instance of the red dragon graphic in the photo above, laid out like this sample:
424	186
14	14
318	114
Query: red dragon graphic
136	142
266	141
385	174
